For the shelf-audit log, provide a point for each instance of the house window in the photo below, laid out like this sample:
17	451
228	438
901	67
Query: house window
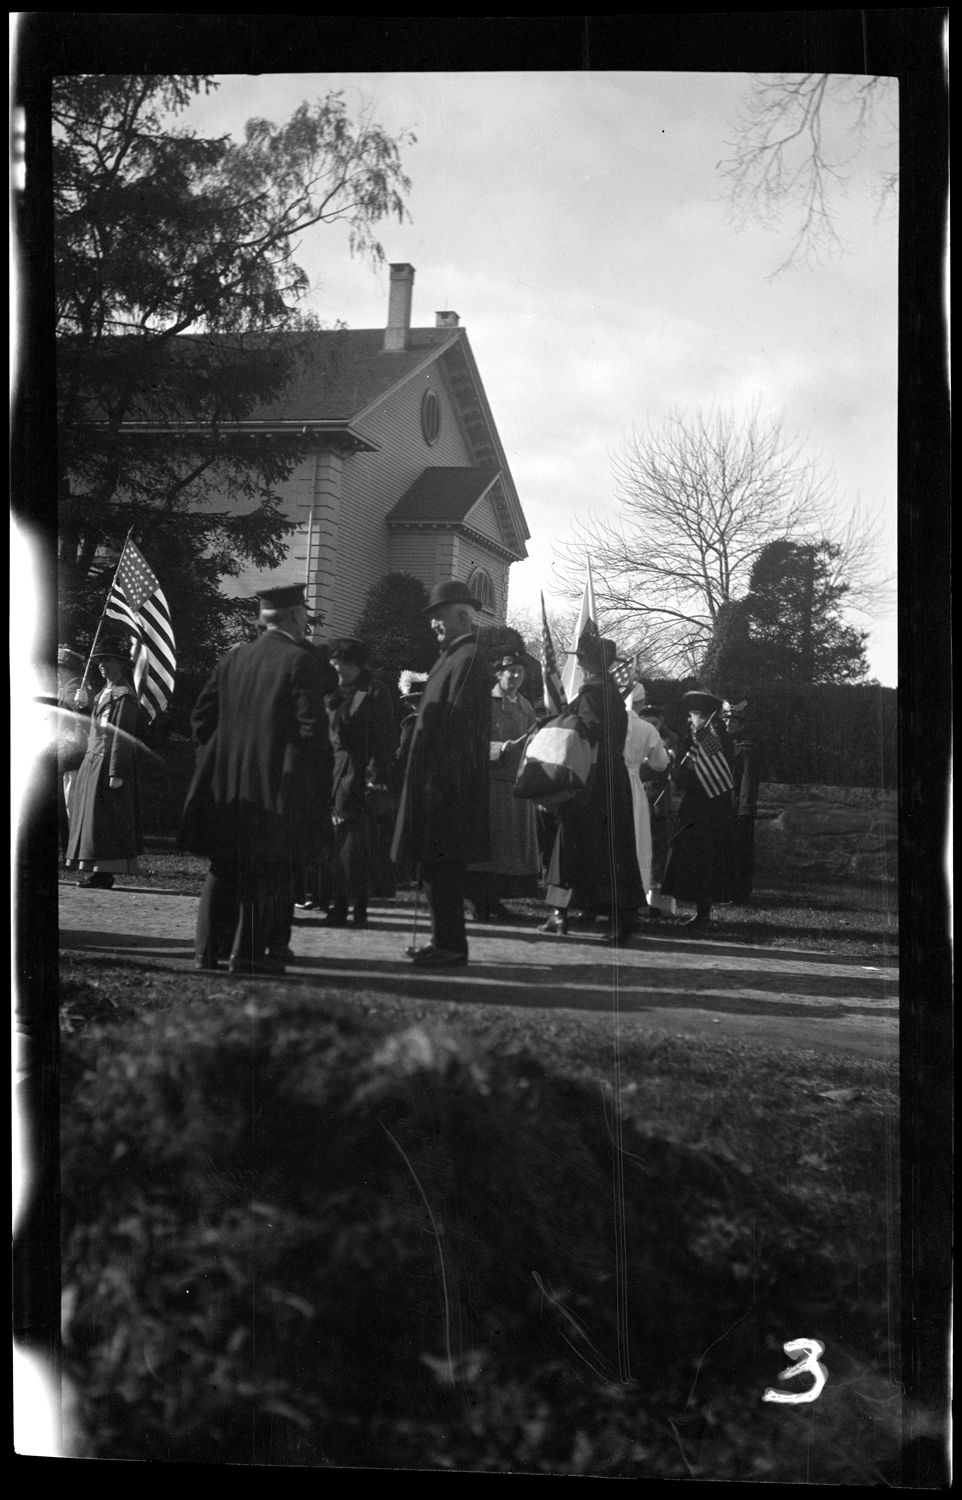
482	588
430	417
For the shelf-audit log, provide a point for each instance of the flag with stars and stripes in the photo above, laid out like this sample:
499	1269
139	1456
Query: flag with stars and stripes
554	693
137	600
710	763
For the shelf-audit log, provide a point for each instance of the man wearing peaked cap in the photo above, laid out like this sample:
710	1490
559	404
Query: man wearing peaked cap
443	815
259	803
287	596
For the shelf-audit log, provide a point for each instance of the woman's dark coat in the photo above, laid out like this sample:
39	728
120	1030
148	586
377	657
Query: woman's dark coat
594	855
363	738
745	771
262	787
701	857
105	824
443	811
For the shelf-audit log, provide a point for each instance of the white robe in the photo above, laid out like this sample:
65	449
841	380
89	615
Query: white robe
643	747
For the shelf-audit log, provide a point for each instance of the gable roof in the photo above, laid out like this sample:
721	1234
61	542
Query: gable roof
443	494
346	371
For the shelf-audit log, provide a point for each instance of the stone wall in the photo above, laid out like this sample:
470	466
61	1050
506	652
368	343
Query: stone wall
831	830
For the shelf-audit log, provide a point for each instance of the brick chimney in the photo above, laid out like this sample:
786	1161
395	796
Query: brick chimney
446	320
397	332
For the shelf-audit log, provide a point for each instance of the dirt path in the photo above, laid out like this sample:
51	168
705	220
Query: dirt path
659	983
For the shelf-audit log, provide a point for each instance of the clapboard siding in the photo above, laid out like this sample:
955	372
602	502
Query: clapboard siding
482	517
374	482
415	552
475	555
351	546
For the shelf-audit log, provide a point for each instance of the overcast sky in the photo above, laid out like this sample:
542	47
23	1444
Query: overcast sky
577	223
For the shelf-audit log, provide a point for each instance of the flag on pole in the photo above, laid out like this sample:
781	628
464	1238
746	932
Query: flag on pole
554	693
137	600
709	763
622	674
572	677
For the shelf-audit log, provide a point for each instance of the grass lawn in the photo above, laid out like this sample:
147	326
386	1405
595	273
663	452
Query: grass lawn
373	1232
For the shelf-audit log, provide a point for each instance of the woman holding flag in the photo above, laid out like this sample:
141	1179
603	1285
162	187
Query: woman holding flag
106	835
700	864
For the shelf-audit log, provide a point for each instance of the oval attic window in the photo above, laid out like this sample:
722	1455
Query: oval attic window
430	417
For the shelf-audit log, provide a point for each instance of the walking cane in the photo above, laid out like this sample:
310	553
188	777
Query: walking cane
417	892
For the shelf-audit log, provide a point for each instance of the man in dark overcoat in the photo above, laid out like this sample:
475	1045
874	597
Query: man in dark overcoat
443	811
259	803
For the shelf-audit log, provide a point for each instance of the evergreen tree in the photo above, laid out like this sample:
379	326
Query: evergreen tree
395	628
178	318
789	626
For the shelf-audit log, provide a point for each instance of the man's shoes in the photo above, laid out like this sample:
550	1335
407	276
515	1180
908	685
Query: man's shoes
206	964
336	916
618	937
307	905
437	958
273	966
500	913
556	925
359	917
98	881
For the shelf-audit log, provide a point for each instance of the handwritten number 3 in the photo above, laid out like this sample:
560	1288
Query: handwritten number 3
811	1349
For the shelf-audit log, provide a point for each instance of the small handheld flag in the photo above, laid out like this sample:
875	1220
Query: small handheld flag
554	693
137	601
710	764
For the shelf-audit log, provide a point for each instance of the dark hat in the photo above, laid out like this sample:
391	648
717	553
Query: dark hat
112	645
350	649
599	650
286	597
509	659
68	657
452	591
705	703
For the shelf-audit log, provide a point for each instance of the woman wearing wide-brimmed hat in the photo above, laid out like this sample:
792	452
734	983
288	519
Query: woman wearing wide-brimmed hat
106	832
594	864
700	864
512	870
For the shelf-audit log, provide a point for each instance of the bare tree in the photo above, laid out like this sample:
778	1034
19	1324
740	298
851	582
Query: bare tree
794	148
699	498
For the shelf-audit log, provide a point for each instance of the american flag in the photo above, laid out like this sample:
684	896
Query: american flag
554	693
709	763
622	674
137	600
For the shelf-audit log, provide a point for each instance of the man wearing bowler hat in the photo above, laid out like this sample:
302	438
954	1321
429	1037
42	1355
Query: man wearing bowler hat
259	803
443	814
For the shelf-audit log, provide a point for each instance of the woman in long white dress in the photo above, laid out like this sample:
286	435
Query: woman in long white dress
644	750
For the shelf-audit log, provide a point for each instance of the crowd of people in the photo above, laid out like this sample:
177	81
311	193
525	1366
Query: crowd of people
315	789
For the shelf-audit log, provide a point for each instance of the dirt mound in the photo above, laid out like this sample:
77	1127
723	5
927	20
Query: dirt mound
292	1240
